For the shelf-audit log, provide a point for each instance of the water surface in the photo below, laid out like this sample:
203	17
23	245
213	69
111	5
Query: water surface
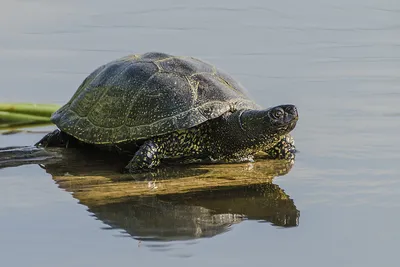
338	62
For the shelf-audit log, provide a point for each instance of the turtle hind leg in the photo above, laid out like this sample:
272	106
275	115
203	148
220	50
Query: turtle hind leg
284	149
54	139
147	157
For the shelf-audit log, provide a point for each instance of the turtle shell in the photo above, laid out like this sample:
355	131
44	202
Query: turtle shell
141	96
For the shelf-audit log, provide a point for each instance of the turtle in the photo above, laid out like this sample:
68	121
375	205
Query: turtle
158	106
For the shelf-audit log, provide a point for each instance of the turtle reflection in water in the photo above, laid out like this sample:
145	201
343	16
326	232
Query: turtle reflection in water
157	106
200	201
200	214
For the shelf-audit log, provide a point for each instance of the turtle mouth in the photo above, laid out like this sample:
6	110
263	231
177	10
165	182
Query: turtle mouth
288	127
292	125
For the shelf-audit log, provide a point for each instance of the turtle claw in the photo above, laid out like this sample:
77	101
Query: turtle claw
145	159
53	139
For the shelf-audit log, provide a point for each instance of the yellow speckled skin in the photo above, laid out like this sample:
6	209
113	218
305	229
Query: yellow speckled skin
226	139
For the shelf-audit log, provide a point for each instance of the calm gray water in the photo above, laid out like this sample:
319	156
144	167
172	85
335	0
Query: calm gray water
338	61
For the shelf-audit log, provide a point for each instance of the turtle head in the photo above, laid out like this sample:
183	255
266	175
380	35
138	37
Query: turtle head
275	121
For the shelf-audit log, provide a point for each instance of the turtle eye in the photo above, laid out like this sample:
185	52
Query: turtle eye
277	113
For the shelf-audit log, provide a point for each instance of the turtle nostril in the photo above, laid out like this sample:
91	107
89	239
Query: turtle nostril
294	110
291	109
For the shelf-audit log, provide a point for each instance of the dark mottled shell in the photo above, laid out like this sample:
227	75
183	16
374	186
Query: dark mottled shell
140	96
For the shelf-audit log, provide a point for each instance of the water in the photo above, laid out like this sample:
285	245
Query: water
338	62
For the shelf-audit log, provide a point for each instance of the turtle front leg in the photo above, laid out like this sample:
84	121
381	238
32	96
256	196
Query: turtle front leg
54	139
284	149
147	157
